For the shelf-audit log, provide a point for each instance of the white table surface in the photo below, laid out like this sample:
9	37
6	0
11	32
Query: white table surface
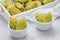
32	32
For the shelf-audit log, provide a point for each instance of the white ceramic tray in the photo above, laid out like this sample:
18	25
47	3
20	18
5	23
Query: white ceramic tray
6	14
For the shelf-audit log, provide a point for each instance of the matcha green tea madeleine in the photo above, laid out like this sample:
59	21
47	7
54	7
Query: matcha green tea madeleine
39	17
44	18
13	22
13	10
48	17
32	4
21	24
18	24
47	1
7	3
19	6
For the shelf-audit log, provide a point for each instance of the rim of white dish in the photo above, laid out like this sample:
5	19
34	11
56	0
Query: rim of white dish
16	30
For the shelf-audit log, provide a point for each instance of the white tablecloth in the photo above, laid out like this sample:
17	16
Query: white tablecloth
32	32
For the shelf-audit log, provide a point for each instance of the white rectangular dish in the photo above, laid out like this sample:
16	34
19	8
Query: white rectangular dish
6	14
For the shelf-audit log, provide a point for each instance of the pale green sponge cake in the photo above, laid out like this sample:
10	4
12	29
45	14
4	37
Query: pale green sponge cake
39	17
21	24
13	21
13	10
32	4
44	18
47	1
48	17
19	6
18	24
